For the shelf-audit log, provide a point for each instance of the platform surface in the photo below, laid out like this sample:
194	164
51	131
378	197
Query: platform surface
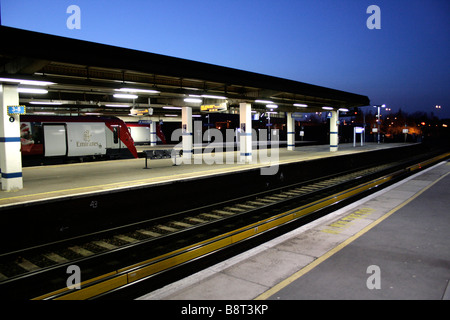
48	182
393	244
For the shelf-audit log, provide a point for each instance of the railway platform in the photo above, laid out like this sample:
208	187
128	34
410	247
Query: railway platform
391	245
43	183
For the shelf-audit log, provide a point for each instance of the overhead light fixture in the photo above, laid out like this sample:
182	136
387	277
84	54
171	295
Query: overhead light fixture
125	96
264	101
46	103
343	109
27	82
43	113
301	105
171	115
213	97
172	108
271	106
327	108
117	105
133	90
193	100
32	90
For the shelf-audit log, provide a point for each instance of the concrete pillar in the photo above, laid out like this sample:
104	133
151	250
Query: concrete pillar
186	126
290	131
334	131
245	113
153	138
10	155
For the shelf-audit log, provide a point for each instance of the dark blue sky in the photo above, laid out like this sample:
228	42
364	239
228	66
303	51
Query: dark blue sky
405	64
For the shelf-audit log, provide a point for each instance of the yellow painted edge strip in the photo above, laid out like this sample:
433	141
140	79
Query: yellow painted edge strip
267	294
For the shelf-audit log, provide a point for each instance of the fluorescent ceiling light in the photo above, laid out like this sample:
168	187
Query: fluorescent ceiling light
193	100
125	96
343	109
271	106
31	90
46	103
264	101
213	97
171	115
117	105
301	105
43	113
172	108
327	108
132	90
27	82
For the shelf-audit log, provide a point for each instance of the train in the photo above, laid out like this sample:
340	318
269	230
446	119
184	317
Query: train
141	133
75	137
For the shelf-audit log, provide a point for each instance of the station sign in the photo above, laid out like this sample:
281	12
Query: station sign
329	115
13	110
405	130
359	129
297	115
213	108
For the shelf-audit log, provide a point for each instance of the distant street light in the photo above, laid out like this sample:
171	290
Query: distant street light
379	120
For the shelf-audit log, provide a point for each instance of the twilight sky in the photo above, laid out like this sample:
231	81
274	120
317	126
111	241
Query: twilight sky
405	64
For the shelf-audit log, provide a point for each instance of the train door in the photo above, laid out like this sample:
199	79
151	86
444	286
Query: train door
55	139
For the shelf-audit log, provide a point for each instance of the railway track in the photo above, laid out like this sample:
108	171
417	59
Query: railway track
139	251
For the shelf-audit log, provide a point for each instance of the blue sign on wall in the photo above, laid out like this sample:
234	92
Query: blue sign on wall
16	110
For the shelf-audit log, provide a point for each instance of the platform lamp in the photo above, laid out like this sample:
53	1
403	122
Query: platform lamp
378	119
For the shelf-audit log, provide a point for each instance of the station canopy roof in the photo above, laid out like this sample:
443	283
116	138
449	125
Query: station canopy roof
80	77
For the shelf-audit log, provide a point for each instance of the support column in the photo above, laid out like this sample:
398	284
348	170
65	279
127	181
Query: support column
290	131
186	126
10	155
153	138
245	113
334	131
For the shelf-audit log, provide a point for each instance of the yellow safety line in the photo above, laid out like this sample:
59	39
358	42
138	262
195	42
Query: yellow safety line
267	294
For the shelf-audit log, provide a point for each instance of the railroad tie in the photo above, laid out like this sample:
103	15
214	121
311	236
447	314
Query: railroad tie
56	257
166	228
149	233
198	220
226	213
209	215
104	244
126	238
81	251
27	265
182	224
246	206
